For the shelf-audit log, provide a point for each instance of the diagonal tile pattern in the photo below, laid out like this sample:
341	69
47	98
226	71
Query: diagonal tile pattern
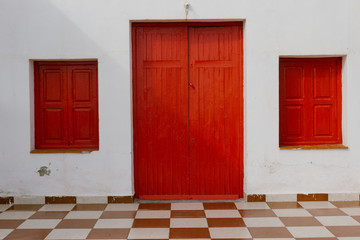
183	220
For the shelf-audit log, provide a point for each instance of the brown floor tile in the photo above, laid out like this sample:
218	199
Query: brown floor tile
345	231
312	197
49	215
25	207
326	212
349	204
109	233
10	224
284	205
77	223
89	207
226	222
300	221
257	213
270	232
151	223
154	206
357	218
219	205
189	233
118	214
28	234
187	214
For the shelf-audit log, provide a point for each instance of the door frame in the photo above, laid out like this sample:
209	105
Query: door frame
133	26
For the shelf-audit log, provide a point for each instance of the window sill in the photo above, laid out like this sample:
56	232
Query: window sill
63	150
324	146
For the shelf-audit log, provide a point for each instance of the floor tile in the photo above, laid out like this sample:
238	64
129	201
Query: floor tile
283	205
233	232
187	206
10	224
269	232
345	231
222	214
357	218
122	207
263	222
326	212
300	221
16	214
320	204
326	238
347	238
153	214
77	223
114	223
89	207
349	204
39	224
219	205
291	212
151	223
188	223
310	232
108	234
351	211
5	232
49	215
3	207
278	239
68	234
188	214
149	233
189	233
83	215
338	221
57	207
257	213
251	205
225	222
28	234
154	206
118	214
25	207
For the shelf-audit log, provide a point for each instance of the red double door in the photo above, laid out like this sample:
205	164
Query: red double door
188	111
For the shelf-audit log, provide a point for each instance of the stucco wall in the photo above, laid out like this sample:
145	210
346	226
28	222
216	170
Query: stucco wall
98	29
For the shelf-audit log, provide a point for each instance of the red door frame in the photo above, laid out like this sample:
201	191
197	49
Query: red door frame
241	104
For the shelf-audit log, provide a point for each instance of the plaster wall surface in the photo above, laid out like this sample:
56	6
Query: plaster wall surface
98	29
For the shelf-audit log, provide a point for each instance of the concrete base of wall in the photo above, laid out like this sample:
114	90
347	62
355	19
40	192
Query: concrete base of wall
303	197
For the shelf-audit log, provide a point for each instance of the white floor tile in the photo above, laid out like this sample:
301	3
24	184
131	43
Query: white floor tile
57	207
68	234
5	232
149	233
251	205
3	207
122	207
39	223
274	238
114	223
319	204
239	232
309	232
291	213
338	221
348	238
153	214
16	214
263	222
351	211
187	206
222	214
83	215
188	223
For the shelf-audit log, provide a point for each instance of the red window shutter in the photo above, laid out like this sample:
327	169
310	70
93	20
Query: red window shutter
310	101
50	107
83	106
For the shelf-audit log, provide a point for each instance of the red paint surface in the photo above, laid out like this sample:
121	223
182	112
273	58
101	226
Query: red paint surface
66	105
310	101
188	123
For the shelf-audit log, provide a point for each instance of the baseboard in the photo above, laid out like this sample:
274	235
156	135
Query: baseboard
303	197
66	199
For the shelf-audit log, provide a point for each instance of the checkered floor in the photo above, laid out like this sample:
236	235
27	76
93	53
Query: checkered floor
184	220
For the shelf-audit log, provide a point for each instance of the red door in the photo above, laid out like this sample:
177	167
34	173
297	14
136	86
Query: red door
188	111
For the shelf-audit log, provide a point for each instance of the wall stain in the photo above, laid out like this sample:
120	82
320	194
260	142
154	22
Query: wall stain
44	171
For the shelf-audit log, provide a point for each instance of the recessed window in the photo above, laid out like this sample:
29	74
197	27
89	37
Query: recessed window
66	105
310	101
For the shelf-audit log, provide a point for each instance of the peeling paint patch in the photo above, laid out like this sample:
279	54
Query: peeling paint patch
44	171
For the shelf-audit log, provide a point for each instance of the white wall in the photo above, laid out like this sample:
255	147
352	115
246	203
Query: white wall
88	29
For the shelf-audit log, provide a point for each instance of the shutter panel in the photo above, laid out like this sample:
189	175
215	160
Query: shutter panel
50	106
82	106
